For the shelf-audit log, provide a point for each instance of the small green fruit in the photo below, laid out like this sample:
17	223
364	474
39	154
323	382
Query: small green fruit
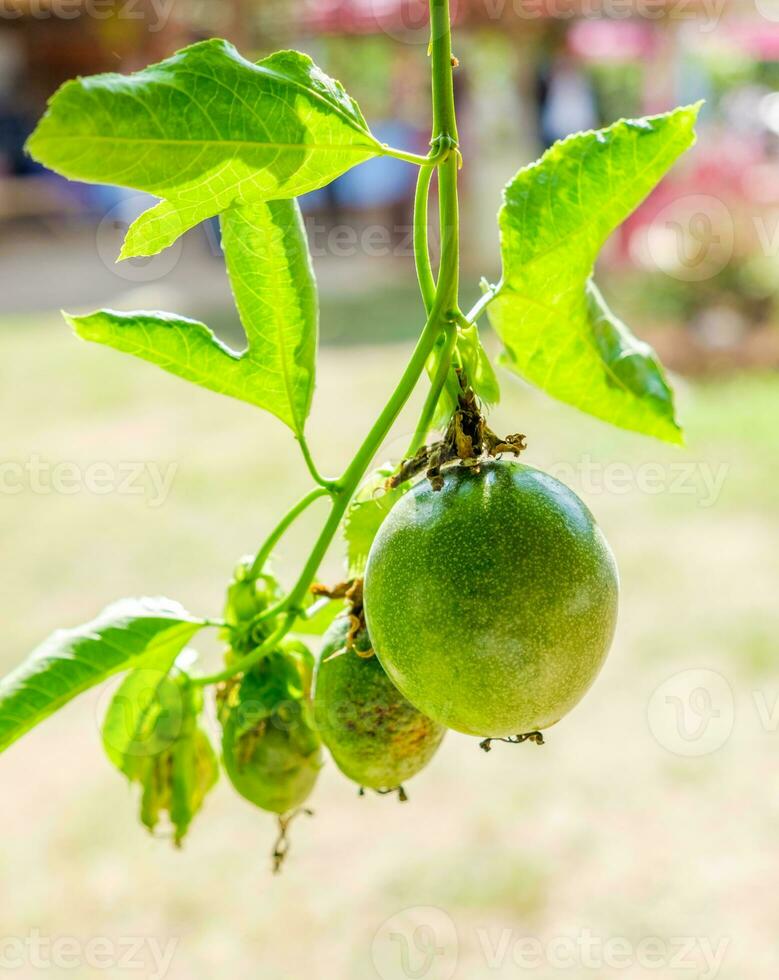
492	602
270	747
376	737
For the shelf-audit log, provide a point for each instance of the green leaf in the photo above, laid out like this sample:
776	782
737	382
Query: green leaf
556	215
365	515
270	270
129	633
158	228
204	130
177	777
143	719
195	770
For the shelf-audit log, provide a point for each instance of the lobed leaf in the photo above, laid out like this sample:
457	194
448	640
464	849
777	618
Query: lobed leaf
205	130
270	270
556	216
273	283
130	633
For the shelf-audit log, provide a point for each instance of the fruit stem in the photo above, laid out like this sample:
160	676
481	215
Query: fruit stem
281	845
437	385
536	737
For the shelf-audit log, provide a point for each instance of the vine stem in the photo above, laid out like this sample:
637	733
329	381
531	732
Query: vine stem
442	310
421	251
425	422
247	662
444	116
349	482
316	476
275	536
444	133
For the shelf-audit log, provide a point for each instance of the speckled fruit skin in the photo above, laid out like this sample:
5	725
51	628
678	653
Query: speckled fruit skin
492	602
278	777
272	761
375	736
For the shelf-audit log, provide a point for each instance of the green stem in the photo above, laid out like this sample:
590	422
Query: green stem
329	485
445	133
349	482
443	310
436	155
274	537
481	305
421	250
444	116
449	269
436	387
247	662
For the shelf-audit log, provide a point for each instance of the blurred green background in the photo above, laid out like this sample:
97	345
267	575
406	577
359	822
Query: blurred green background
642	835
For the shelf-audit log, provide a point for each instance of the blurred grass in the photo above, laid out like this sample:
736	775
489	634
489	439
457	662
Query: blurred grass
601	829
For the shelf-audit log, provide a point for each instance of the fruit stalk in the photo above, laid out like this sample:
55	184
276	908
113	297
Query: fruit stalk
436	387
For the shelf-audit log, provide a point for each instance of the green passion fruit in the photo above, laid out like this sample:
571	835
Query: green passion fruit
270	747
492	602
376	737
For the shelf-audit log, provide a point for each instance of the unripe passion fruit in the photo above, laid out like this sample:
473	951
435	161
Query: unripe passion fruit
270	747
376	737
492	602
